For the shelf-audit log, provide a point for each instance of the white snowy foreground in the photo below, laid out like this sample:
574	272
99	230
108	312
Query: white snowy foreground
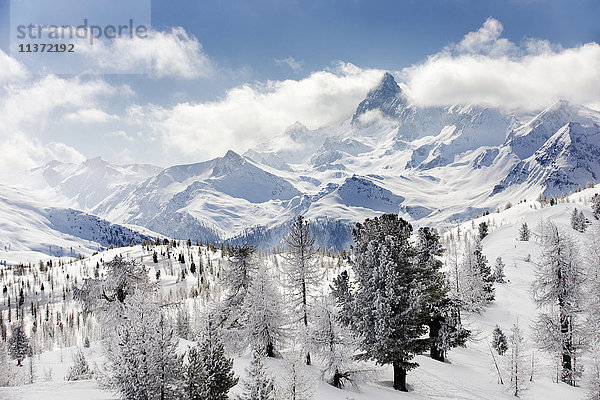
469	372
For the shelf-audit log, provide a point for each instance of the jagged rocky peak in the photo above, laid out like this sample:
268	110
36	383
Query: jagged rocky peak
228	163
386	97
298	132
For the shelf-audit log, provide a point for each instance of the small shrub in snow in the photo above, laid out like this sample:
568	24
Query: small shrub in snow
80	369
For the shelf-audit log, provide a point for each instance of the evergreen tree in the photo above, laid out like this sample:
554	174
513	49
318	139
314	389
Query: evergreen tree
557	289
486	272
578	220
439	311
524	232
483	230
209	374
303	276
596	205
258	384
194	376
499	342
499	271
476	283
18	344
80	370
386	304
263	327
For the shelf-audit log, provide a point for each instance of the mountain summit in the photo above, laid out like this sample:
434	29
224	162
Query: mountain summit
386	97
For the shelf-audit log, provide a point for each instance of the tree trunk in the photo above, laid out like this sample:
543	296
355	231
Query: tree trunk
399	378
270	350
567	364
434	330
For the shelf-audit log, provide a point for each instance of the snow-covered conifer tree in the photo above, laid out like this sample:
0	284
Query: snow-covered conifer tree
385	307
142	362
302	276
122	278
295	382
439	312
518	376
183	322
499	342
524	232
499	271
596	205
337	347
7	372
258	383
483	230
558	290
578	220
209	373
18	344
80	370
476	283
238	278
263	326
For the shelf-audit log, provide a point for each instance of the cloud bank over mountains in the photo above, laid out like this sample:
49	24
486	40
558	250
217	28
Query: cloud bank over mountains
486	69
482	69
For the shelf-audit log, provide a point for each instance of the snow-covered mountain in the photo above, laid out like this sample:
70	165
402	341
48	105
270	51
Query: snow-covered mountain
430	164
30	231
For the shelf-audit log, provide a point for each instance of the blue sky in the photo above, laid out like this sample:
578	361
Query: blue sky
379	34
234	73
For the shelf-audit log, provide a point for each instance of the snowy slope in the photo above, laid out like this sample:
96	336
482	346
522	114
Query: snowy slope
29	231
468	373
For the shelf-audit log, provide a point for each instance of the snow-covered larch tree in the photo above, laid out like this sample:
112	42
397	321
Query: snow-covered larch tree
518	375
142	363
238	279
337	347
558	290
303	276
263	327
295	382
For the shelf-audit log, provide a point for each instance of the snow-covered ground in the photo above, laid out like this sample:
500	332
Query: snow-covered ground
469	372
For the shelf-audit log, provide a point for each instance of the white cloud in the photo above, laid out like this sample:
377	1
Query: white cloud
120	134
62	152
175	53
11	69
486	69
21	152
291	62
250	114
27	107
33	103
90	116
